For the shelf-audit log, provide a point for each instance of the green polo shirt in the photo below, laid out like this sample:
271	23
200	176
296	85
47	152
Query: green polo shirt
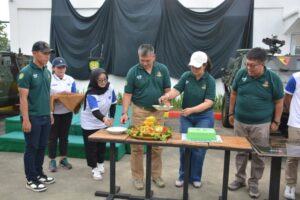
37	80
255	97
196	91
147	88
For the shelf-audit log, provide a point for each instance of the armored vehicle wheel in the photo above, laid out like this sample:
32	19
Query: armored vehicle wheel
225	110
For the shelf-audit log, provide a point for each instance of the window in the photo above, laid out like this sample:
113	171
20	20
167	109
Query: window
295	44
6	61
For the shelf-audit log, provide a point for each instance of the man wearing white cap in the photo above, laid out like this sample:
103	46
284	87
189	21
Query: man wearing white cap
199	89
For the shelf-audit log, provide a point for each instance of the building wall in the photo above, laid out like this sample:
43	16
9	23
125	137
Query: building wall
30	21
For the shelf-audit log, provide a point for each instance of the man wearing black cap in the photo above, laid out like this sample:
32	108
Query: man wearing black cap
34	89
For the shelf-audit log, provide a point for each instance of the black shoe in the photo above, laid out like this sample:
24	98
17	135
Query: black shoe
46	179
36	186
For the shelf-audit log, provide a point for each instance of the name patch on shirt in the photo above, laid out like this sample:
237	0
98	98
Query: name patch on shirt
265	84
158	74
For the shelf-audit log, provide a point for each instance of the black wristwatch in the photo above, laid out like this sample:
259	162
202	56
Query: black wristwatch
123	113
277	123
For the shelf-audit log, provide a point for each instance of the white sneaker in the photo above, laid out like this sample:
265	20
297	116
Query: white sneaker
197	184
96	174
100	167
289	192
179	183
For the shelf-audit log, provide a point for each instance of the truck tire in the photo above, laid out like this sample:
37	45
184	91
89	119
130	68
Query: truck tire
225	110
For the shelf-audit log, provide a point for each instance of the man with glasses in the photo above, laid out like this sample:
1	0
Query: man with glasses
34	89
145	83
256	104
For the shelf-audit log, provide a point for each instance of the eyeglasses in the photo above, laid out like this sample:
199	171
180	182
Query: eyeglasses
251	65
102	81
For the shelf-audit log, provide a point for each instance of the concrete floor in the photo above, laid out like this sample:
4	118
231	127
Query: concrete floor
77	183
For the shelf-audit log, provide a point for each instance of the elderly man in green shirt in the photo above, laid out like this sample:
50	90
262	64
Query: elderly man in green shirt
145	83
256	105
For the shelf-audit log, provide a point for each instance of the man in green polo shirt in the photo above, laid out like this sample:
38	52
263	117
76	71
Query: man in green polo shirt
256	105
34	89
145	83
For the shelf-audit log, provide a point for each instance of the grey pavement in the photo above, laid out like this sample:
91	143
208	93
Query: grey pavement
77	183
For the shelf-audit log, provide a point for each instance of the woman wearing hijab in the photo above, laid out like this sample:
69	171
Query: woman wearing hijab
98	112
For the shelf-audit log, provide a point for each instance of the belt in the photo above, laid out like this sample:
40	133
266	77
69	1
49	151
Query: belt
150	109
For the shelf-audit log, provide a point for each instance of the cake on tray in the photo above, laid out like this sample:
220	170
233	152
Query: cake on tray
206	134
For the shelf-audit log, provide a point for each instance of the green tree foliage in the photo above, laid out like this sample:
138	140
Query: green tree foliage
3	37
218	103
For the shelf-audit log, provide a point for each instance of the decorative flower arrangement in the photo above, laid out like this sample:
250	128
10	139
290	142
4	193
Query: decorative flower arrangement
150	130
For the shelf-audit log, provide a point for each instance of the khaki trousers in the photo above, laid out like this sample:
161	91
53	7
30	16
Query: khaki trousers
291	166
137	151
257	163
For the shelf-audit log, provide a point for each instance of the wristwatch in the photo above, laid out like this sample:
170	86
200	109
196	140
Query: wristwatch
277	123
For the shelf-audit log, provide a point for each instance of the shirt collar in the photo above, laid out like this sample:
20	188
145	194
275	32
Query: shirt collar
205	75
34	66
141	67
57	78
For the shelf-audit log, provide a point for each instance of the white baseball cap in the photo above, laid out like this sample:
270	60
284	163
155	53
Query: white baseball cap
198	58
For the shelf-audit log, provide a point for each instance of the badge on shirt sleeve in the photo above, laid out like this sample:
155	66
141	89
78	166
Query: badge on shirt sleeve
21	75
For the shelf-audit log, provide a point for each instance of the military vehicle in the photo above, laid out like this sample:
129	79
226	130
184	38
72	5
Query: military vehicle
10	65
284	66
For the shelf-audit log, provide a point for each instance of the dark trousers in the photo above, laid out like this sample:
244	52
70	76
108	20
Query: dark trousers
35	145
94	151
59	131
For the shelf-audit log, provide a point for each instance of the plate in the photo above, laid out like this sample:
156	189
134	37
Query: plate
162	107
146	137
117	130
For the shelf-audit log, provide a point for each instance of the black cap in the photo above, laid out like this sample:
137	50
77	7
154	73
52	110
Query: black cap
42	46
59	62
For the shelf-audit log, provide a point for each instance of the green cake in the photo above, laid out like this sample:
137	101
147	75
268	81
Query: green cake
206	134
